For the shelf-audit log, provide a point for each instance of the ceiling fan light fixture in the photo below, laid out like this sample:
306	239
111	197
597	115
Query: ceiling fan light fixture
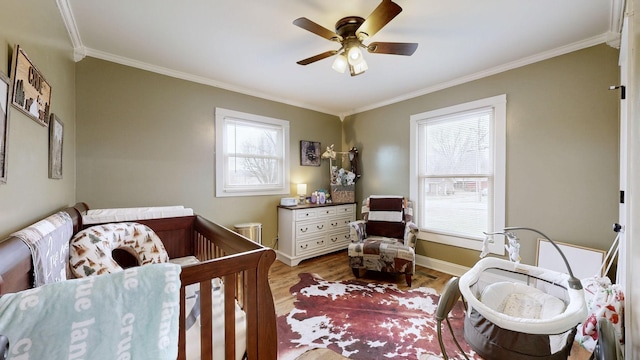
358	68
340	63
355	55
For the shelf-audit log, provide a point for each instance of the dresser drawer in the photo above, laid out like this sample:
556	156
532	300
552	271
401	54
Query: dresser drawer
307	228
345	209
340	223
306	214
339	240
304	247
326	211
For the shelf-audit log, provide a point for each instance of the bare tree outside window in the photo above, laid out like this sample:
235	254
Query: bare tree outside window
456	182
261	166
252	154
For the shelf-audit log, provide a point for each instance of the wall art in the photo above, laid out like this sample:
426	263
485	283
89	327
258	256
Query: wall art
31	92
56	137
5	94
309	153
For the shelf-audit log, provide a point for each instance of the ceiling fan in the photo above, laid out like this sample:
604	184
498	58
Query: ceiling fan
350	32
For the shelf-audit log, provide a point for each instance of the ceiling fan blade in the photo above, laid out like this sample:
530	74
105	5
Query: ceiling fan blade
316	29
392	48
325	54
380	17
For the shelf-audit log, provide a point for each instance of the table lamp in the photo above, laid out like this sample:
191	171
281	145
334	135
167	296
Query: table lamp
302	193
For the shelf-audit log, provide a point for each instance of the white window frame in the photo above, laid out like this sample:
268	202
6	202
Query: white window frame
499	104
222	187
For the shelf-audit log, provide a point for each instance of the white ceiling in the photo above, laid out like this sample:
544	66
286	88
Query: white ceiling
251	46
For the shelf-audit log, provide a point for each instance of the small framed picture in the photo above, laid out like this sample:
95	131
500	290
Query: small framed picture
31	92
309	153
5	94
56	137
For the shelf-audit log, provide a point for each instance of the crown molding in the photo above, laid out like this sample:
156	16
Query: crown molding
596	40
69	20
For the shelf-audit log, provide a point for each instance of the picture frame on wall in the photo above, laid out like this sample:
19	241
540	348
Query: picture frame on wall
56	137
309	153
5	95
31	92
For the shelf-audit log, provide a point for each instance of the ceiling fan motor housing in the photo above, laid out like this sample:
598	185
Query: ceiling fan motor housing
347	26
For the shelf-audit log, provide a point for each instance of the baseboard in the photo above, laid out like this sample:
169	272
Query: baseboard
442	266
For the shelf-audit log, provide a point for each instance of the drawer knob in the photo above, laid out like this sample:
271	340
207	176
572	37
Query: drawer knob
320	227
304	230
304	246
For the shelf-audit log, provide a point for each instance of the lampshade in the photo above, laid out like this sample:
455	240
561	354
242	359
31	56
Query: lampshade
302	189
357	65
358	68
340	63
354	55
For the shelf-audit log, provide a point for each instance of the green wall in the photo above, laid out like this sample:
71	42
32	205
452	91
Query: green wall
29	194
562	148
148	140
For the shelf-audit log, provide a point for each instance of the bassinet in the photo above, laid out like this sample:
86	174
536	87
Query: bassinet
519	311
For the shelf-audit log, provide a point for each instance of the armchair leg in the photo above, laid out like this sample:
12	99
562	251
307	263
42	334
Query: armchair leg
356	272
408	277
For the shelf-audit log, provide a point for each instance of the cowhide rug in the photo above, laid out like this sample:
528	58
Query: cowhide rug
366	321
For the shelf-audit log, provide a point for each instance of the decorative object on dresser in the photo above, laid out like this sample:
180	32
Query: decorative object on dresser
306	231
5	91
302	193
385	239
31	92
343	182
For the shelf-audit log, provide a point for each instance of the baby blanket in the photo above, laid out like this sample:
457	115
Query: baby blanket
48	240
131	314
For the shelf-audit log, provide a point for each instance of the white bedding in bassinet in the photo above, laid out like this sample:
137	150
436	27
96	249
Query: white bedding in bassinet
522	301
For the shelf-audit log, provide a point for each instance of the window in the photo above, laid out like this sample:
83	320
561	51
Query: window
252	154
458	173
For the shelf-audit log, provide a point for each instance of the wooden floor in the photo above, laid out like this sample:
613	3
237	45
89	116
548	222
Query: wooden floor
335	267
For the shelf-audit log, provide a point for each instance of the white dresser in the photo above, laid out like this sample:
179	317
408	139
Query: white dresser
306	231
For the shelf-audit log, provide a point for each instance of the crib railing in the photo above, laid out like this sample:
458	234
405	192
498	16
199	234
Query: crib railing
243	265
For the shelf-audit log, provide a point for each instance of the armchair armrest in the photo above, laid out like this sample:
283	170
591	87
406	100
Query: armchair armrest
411	234
358	231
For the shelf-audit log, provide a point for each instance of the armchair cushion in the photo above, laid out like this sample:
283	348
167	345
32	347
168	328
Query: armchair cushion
386	217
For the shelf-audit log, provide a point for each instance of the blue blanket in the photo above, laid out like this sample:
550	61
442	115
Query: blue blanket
131	314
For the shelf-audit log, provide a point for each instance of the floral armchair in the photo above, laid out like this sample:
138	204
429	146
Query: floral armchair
385	239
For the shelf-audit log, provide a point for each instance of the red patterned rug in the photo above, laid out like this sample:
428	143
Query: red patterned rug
365	321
